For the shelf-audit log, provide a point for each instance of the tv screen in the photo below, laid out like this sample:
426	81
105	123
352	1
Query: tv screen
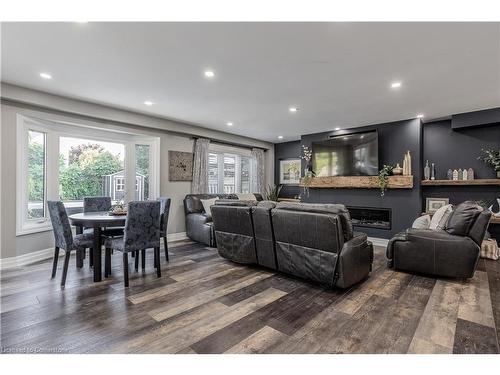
347	155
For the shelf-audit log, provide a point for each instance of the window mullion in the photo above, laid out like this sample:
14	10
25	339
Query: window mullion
129	172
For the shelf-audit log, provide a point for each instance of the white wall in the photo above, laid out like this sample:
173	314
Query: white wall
41	105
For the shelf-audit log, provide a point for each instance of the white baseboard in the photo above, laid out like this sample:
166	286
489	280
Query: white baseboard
378	241
36	256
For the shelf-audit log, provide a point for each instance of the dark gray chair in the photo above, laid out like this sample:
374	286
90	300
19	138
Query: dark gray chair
452	252
142	231
165	211
99	204
63	237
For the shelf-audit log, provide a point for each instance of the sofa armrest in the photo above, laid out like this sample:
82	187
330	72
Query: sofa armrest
355	260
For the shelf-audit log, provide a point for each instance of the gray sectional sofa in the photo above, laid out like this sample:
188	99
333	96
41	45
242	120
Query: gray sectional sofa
312	241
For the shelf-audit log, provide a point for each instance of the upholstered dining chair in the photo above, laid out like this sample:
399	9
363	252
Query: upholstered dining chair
165	211
63	237
142	231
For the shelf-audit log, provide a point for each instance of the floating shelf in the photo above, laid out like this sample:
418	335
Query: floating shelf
484	181
360	182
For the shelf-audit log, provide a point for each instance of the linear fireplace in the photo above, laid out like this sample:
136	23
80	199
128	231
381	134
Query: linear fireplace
370	217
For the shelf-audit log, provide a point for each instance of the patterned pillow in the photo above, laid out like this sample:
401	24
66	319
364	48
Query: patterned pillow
440	217
422	222
207	203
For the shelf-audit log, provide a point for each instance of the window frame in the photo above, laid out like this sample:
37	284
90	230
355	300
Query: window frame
223	151
53	130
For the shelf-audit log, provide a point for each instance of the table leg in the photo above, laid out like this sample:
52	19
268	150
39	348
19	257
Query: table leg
79	255
97	254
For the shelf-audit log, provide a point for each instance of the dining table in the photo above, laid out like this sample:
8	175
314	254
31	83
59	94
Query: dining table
97	221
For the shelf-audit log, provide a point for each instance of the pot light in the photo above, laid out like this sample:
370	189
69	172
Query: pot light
149	103
209	74
293	109
229	124
280	137
45	76
396	85
420	116
336	129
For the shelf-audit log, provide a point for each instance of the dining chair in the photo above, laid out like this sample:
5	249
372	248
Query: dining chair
165	211
63	237
142	231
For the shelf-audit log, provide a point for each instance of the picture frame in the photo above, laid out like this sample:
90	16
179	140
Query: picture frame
434	204
290	171
180	166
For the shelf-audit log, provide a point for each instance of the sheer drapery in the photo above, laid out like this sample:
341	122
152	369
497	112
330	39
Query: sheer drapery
259	171
200	166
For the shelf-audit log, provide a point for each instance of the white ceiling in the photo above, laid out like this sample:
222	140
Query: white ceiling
338	74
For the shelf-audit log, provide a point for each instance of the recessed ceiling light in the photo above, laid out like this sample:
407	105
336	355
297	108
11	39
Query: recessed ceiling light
420	116
149	103
45	76
396	85
293	109
280	137
229	124
209	74
336	129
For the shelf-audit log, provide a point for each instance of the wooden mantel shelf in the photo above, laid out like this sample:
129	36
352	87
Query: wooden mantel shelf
484	181
360	182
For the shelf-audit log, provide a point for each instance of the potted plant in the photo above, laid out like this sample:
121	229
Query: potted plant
272	192
308	173
491	157
383	178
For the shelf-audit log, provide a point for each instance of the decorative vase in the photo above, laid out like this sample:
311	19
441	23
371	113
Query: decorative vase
427	171
433	171
397	170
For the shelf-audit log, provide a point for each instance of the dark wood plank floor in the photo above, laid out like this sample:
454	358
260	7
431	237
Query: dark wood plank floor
205	304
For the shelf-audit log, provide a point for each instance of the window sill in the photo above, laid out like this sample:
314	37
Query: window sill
33	230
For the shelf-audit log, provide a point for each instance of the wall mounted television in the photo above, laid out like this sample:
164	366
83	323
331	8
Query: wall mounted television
346	155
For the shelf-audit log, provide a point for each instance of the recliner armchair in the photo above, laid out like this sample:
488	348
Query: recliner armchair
452	252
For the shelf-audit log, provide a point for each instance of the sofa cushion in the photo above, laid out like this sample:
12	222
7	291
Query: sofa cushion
463	218
326	208
441	217
246	196
422	222
235	202
207	203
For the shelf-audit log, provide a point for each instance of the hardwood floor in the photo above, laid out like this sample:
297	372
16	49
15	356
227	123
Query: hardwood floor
205	304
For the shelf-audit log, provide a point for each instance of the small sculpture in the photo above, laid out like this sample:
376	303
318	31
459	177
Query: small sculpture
464	177
460	174
449	174
455	175
470	174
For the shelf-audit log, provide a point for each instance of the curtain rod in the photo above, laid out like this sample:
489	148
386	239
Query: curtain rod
216	141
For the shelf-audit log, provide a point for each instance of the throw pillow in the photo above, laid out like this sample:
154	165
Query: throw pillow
422	222
207	203
440	217
462	218
246	196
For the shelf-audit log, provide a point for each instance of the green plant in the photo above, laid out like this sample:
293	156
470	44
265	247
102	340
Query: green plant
272	192
383	178
491	157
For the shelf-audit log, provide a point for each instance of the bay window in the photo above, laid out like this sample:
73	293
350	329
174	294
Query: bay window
69	162
229	170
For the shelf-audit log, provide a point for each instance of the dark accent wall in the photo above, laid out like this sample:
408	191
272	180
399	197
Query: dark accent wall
459	148
437	142
282	151
394	139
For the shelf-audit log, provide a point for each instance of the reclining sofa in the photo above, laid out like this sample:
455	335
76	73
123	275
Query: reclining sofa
452	252
199	226
312	241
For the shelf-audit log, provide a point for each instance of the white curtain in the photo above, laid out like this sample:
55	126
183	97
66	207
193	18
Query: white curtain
200	167
259	179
